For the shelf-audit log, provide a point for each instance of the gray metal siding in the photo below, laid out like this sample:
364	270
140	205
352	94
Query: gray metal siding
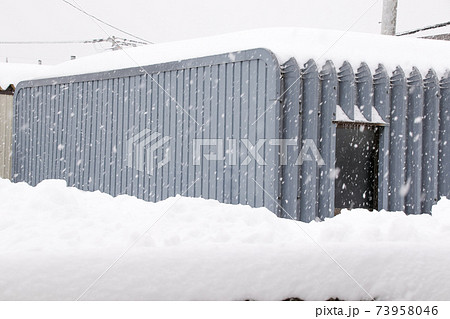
79	128
413	158
444	137
290	187
327	140
310	119
381	100
397	146
414	130
430	141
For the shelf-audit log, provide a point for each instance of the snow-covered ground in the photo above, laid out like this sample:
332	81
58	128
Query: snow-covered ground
56	241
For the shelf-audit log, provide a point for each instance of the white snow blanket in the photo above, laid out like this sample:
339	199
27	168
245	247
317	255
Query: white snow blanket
13	73
301	43
61	243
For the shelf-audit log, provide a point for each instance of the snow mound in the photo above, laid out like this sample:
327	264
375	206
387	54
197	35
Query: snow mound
55	241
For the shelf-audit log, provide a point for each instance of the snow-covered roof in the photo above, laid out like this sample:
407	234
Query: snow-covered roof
301	43
13	73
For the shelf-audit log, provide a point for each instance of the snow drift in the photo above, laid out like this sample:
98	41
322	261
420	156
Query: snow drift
56	242
301	43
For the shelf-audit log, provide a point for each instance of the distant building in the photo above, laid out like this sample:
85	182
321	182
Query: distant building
10	75
6	115
8	90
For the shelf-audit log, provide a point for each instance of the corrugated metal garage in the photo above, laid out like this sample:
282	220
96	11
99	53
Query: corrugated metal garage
240	128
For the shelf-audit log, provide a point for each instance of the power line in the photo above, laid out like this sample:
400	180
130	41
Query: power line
2	57
104	22
42	42
113	39
439	25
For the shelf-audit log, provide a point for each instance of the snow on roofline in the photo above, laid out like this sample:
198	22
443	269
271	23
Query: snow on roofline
300	43
13	73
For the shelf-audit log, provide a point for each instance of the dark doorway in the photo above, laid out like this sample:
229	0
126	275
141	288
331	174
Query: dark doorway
357	164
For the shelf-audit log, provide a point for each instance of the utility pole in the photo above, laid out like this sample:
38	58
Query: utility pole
389	17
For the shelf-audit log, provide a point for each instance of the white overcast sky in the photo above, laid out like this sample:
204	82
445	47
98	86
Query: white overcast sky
169	20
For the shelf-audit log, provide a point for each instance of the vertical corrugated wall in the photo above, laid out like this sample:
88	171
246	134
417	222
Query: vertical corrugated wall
414	154
6	116
114	131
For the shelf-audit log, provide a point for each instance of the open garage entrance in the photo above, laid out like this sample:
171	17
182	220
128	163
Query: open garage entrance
357	164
